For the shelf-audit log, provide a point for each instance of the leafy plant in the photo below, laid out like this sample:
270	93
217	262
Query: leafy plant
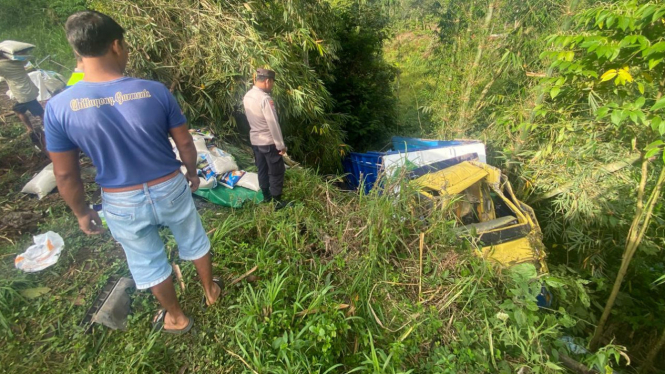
623	41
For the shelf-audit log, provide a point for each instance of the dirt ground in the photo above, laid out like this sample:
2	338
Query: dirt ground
21	160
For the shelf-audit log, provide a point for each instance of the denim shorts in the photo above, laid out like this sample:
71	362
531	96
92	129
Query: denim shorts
134	218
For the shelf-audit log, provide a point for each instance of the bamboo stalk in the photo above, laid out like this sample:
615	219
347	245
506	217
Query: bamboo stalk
476	62
524	132
420	274
637	230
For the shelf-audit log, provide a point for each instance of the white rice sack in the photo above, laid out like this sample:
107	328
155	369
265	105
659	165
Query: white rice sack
249	181
42	184
221	164
200	143
14	47
207	184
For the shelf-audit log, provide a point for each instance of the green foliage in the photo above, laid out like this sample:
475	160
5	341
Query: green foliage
335	292
361	80
40	22
605	97
604	104
614	67
207	52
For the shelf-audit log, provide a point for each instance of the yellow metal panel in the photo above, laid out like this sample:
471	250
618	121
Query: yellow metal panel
453	180
511	253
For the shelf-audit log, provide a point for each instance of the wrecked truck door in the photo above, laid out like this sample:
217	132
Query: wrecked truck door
504	228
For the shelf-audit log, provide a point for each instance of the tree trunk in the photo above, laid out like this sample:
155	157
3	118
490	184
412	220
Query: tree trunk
647	365
471	78
635	234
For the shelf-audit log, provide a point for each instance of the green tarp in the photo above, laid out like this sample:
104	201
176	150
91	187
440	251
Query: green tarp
233	198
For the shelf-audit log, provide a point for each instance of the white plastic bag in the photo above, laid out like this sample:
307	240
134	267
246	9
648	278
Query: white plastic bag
47	82
249	181
44	253
42	184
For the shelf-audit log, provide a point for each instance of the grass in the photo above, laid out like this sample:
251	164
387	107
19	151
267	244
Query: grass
40	23
336	287
336	291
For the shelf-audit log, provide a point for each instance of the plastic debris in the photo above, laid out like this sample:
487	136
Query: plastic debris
44	253
232	198
111	306
204	133
208	184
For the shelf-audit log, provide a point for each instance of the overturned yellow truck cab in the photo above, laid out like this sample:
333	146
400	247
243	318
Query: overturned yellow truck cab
505	229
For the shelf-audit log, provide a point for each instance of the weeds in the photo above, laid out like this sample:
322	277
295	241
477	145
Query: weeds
336	290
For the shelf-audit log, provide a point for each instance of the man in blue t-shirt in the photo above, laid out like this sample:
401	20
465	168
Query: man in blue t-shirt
123	124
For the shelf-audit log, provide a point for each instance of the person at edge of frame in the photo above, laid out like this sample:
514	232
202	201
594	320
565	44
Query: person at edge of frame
123	124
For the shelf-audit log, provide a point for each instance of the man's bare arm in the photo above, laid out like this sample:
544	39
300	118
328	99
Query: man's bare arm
68	178
185	144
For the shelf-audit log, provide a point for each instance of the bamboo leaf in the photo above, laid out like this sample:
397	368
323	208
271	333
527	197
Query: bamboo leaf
554	92
608	75
640	101
33	293
656	48
652	152
659	104
616	117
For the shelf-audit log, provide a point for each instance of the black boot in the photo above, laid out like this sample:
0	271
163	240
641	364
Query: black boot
279	204
266	195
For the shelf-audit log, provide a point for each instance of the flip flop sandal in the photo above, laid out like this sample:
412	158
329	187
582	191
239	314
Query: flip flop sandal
158	324
220	283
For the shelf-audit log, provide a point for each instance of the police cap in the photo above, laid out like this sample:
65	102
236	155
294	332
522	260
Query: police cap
265	73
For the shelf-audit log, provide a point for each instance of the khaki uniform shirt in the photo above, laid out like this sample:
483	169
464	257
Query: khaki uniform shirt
18	80
263	123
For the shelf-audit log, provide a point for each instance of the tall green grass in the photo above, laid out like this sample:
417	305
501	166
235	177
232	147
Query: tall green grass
336	291
41	23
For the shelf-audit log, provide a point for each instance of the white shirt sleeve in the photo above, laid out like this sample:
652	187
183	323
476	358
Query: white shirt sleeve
270	114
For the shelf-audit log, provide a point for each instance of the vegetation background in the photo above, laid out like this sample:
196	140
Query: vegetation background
566	94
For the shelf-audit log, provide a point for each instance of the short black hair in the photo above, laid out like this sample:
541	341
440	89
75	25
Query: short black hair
92	33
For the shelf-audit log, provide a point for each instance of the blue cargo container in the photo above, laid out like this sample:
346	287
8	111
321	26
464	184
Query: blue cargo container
403	144
363	168
366	167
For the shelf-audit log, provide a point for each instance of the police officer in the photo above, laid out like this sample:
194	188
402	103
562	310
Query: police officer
266	137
